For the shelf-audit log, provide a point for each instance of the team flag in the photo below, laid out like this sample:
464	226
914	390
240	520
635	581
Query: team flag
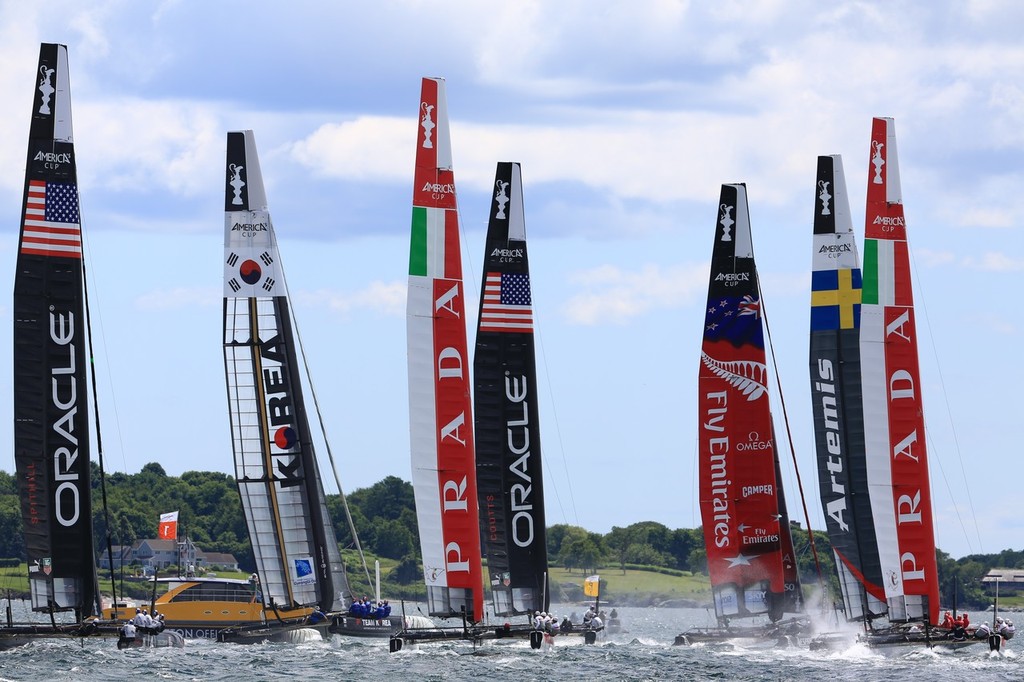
592	586
168	526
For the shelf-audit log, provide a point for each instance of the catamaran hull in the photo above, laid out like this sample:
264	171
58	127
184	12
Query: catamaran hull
899	642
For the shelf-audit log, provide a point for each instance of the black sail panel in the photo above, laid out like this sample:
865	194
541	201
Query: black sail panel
51	404
508	455
837	400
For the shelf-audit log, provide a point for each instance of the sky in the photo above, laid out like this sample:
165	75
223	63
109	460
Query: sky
627	118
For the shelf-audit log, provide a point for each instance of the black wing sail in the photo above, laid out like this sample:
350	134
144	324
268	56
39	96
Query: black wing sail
837	398
51	410
508	455
293	541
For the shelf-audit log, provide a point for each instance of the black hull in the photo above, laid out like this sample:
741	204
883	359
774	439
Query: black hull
899	639
478	634
794	632
357	626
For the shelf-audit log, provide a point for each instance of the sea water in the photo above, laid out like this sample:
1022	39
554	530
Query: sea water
642	651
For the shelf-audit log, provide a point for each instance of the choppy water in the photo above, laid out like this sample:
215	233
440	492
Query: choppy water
643	651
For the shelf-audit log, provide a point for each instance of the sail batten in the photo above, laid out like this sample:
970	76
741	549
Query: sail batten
893	406
505	400
51	405
442	442
746	528
297	555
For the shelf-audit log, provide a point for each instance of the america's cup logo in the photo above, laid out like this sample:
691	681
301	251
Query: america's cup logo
727	222
877	161
236	183
501	198
46	88
427	124
824	196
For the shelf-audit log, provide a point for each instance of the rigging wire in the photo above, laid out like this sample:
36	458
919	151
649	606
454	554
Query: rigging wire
90	348
949	414
789	438
323	428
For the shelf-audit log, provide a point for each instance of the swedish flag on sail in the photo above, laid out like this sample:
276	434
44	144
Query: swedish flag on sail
835	299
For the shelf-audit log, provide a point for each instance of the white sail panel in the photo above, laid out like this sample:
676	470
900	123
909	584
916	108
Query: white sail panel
423	425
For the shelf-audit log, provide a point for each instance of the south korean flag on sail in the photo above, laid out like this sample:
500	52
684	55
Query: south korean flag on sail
251	260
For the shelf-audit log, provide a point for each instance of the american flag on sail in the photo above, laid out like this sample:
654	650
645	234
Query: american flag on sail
507	304
51	226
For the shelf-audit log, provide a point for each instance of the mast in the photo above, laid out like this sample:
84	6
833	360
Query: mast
893	406
297	555
51	405
740	493
440	412
837	405
508	453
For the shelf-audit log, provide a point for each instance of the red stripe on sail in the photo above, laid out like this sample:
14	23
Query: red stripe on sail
426	131
911	493
456	460
452	253
904	293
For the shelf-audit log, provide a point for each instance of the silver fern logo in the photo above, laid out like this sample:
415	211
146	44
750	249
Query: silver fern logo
746	376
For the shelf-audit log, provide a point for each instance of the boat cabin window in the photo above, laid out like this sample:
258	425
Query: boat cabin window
215	592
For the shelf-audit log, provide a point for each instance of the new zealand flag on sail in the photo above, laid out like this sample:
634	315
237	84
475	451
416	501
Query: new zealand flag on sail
736	320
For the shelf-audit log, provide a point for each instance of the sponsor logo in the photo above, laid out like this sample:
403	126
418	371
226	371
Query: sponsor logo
427	123
53	157
236	183
517	432
718	450
280	415
439	187
887	221
67	503
754	443
249	227
833	249
505	255
824	196
731	278
828	405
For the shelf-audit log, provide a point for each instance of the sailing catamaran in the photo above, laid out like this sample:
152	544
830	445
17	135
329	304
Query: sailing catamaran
53	416
508	453
868	411
749	547
298	563
440	411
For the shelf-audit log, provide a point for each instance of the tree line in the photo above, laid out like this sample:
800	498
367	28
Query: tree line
210	513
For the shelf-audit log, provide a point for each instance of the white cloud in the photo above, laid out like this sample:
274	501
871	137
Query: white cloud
616	295
386	298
